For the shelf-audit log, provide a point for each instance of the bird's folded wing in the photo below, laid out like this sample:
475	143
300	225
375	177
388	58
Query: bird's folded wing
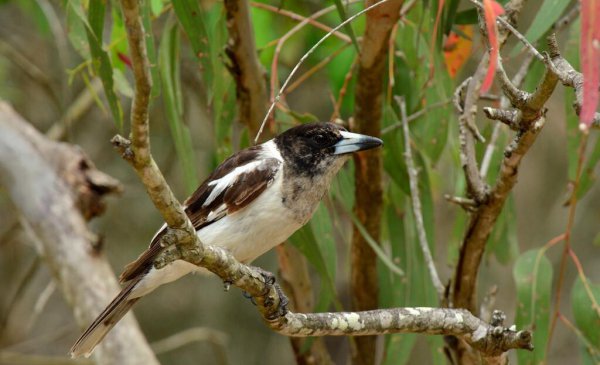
230	188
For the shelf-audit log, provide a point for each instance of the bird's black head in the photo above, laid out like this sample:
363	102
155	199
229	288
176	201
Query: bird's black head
313	148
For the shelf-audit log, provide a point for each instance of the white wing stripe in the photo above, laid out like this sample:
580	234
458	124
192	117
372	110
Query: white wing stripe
269	150
226	181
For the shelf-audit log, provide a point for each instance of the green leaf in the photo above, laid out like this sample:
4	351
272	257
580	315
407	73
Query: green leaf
118	39
169	72
342	11
38	15
306	242
588	176
503	241
190	17
393	160
94	26
385	259
394	290
413	289
76	30
468	16
533	277
451	10
544	19
156	6
587	312
151	50
122	84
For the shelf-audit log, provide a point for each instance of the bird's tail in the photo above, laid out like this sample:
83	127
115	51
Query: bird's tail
109	317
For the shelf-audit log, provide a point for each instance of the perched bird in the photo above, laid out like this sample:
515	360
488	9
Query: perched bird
252	202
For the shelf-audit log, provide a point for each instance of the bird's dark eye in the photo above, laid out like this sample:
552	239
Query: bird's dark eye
320	139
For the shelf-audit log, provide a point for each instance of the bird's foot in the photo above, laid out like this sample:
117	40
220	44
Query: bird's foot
269	301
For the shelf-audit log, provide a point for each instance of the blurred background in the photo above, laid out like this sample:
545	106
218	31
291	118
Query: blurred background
46	75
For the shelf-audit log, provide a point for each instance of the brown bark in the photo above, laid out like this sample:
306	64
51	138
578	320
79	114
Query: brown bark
245	67
369	165
56	188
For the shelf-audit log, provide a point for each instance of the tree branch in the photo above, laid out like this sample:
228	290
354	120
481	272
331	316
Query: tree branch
570	77
55	187
251	90
137	152
527	118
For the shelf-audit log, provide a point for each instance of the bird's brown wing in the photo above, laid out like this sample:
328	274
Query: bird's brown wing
226	191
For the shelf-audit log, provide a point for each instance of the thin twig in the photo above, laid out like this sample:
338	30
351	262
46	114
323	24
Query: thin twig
311	20
416	202
304	57
137	151
278	48
324	62
416	115
567	241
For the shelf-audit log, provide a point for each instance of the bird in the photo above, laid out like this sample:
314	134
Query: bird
255	200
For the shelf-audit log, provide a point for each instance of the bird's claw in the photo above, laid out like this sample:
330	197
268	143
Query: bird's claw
269	280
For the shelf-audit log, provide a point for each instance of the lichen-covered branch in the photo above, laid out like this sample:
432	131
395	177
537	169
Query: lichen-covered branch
527	118
491	339
570	77
56	188
137	152
251	90
369	166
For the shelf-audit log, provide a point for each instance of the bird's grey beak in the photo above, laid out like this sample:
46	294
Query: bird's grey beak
352	142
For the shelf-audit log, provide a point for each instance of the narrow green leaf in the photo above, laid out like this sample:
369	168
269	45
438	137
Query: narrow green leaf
342	12
37	13
394	290
468	16
587	314
503	241
304	240
118	40
533	278
588	176
151	48
190	17
385	259
94	26
156	6
76	31
169	72
122	84
544	19
393	161
449	19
